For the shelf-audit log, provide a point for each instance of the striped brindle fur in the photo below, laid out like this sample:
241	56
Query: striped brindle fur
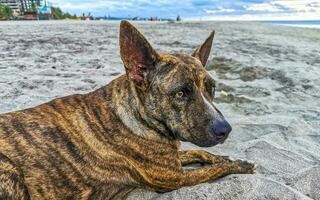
123	136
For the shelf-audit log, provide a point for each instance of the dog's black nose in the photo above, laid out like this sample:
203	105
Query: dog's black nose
221	129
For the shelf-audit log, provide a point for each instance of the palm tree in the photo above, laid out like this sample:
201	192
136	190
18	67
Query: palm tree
5	12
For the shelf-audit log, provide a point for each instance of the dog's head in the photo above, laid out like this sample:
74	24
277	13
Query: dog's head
176	89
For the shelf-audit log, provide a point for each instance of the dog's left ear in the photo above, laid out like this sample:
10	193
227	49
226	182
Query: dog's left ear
137	54
203	52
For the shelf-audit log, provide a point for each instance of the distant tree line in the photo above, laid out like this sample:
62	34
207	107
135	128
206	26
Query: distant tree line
57	13
5	12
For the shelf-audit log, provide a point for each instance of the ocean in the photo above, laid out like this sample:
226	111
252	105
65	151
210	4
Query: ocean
305	23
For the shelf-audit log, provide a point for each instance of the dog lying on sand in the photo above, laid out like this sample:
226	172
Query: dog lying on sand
123	136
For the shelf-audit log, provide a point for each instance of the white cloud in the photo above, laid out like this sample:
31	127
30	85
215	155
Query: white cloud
299	5
266	7
286	5
259	17
274	10
219	10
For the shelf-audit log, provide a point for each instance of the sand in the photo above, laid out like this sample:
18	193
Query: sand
268	89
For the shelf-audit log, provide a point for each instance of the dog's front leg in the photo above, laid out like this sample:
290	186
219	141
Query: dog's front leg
200	156
167	180
108	191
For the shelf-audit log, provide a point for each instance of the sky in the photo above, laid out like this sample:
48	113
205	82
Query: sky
197	9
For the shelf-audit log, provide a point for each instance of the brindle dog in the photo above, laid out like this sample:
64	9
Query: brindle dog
122	136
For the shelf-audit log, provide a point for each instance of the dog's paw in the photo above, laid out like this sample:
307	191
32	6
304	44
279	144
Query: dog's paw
245	167
217	159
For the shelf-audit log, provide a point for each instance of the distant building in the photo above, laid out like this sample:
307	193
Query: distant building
29	5
15	5
22	6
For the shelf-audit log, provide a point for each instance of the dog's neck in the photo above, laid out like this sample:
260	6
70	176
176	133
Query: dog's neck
130	109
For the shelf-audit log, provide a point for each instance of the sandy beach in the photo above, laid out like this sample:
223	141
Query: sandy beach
268	88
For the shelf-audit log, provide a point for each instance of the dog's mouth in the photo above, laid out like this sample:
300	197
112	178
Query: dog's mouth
222	140
178	136
206	143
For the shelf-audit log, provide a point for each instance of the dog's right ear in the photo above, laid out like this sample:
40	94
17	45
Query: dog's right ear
137	54
203	52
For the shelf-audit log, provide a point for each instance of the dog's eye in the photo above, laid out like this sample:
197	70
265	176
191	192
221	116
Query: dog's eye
180	94
184	93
